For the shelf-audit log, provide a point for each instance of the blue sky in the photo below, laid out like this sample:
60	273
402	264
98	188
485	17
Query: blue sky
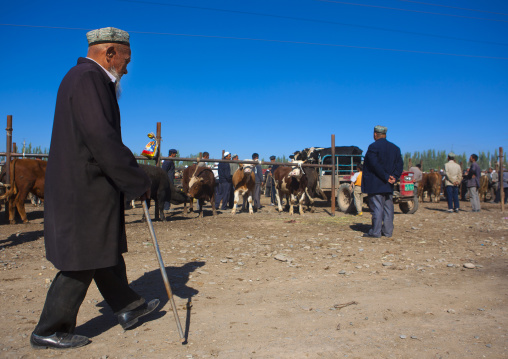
273	76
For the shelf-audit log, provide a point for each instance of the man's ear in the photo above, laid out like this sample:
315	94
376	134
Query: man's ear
110	52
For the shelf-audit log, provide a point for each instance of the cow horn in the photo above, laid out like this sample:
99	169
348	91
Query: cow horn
194	174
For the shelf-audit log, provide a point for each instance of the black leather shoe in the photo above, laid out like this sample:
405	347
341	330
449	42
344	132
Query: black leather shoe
370	235
58	341
128	319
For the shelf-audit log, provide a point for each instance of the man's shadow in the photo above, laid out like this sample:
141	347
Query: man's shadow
360	227
150	285
20	238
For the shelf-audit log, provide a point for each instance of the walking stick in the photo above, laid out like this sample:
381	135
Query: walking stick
163	271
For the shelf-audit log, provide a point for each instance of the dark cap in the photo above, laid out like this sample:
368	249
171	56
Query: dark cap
172	151
272	157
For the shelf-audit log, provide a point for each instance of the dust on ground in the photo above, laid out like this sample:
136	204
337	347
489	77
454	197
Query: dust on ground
271	285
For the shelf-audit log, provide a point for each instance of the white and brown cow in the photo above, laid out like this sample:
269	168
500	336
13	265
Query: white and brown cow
290	183
244	182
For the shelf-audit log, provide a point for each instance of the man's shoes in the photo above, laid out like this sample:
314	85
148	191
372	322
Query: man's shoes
360	214
128	319
456	210
58	341
370	235
449	210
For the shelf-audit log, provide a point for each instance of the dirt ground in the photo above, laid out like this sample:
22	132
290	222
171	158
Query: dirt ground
271	285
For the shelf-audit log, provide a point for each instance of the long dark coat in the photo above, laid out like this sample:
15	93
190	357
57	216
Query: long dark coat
382	160
89	172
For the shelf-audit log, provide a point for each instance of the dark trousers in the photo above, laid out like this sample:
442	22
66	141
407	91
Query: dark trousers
224	191
68	291
382	214
257	195
498	195
231	201
452	195
273	193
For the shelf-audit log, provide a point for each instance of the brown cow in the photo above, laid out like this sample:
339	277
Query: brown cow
199	183
431	182
291	183
484	187
244	182
27	176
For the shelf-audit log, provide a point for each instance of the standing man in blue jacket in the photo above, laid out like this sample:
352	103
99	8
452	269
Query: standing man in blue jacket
169	167
382	166
258	173
225	183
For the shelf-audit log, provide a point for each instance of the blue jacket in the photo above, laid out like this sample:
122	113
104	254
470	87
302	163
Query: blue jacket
169	167
225	173
258	173
477	172
382	160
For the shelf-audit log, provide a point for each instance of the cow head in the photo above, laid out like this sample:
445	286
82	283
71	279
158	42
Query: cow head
297	172
308	155
299	155
196	186
246	168
313	154
179	196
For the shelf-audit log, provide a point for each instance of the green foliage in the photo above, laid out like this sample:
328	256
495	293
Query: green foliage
437	159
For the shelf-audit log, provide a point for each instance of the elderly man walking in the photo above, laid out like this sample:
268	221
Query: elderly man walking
382	166
453	178
88	174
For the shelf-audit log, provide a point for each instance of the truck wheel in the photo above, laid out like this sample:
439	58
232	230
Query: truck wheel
409	207
344	197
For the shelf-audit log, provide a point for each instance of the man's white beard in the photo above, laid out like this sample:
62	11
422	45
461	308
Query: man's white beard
118	88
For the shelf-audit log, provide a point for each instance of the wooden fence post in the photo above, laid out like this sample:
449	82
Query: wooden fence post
501	175
159	140
333	176
8	147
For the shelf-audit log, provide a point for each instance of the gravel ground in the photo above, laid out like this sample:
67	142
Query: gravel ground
271	285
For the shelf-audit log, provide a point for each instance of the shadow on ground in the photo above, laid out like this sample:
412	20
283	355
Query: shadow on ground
21	238
150	285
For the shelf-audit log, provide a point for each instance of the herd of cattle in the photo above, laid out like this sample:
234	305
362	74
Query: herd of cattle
297	184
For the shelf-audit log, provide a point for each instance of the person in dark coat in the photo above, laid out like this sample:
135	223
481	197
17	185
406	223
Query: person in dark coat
225	183
273	201
169	167
473	183
258	173
382	166
233	167
89	173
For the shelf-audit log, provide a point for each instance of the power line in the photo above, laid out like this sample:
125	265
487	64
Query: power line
418	11
453	7
313	20
271	40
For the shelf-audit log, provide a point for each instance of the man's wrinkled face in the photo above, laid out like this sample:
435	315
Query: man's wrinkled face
120	58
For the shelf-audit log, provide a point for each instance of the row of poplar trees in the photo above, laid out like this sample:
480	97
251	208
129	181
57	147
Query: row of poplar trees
432	159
